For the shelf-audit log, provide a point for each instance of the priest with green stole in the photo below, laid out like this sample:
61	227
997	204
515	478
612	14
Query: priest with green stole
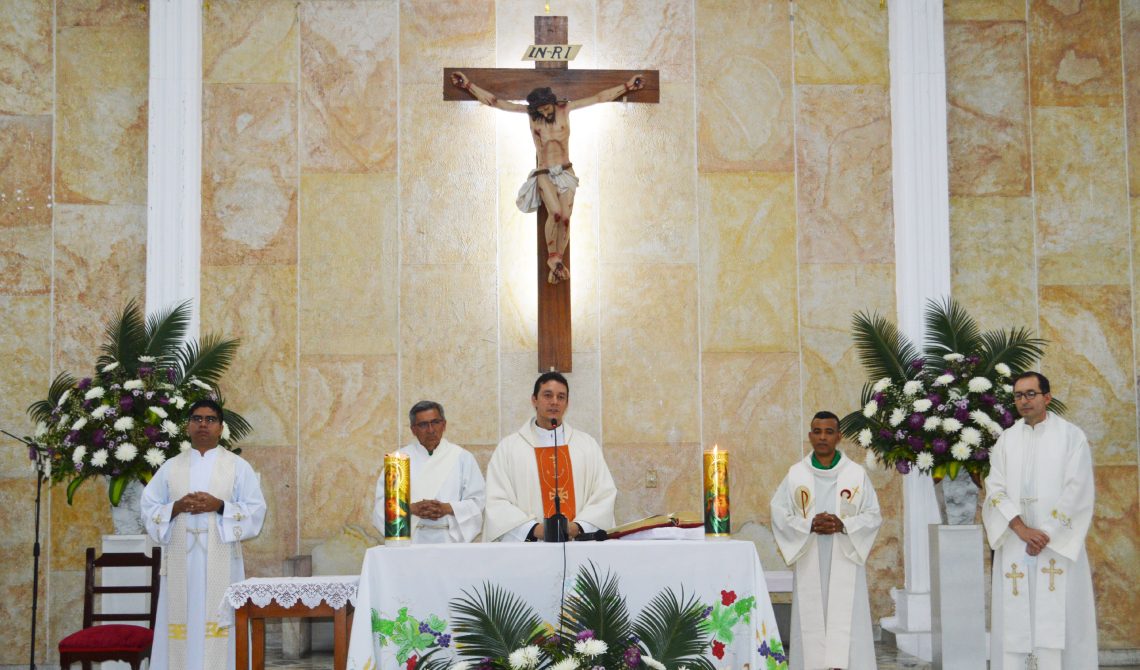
825	517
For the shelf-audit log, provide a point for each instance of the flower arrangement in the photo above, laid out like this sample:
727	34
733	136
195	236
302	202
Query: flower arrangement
130	416
942	411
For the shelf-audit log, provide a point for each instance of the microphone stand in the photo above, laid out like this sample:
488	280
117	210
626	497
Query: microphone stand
557	527
35	547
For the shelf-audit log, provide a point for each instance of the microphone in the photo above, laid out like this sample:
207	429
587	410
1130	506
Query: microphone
557	527
598	536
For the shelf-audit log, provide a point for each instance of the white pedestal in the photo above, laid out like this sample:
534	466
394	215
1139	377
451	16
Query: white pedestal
121	603
957	598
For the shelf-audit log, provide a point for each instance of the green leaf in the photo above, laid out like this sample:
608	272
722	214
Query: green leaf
720	622
670	629
115	489
883	350
853	423
952	469
41	411
206	360
1056	406
1017	348
125	339
950	329
597	604
71	488
426	662
165	330
492	623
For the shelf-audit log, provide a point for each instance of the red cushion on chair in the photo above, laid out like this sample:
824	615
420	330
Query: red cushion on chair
109	637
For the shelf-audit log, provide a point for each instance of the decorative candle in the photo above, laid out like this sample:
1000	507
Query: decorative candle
716	493
397	496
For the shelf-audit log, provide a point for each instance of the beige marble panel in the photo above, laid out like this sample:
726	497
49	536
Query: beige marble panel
518	373
249	174
348	86
435	35
885	562
752	409
829	296
259	305
1113	546
25	355
843	140
840	42
996	283
650	34
650	353
26	57
678	468
1130	10
984	10
1080	178
65	606
449	346
648	200
79	525
514	28
25	171
748	263
987	113
101	111
1074	53
1134	208
102	13
25	261
349	259
278	538
349	420
1089	363
1131	40
745	116
100	264
18	500
447	188
250	42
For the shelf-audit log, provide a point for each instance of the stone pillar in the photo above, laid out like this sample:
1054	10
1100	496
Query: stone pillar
174	157
922	261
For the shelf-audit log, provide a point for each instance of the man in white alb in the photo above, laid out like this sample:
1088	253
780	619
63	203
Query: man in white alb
200	505
825	517
1037	511
448	492
521	475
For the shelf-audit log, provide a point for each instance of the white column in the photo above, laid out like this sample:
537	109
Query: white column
174	157
922	261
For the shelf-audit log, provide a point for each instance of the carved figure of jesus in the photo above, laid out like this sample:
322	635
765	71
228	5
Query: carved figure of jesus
553	183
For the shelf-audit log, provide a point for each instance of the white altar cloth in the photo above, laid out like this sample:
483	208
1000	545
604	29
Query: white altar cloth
335	590
410	588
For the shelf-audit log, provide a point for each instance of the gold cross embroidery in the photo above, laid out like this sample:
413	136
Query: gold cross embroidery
238	516
1065	521
1052	571
157	520
1015	575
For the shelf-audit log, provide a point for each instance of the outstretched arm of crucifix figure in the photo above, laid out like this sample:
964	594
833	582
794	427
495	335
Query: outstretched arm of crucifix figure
461	81
610	94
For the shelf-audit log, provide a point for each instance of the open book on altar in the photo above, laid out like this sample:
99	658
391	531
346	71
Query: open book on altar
675	526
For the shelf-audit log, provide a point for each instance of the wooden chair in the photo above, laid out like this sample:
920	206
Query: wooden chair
113	642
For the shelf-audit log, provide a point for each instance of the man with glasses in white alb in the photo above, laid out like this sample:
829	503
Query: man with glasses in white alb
448	491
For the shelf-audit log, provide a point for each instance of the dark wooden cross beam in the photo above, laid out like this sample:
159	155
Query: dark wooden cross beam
554	335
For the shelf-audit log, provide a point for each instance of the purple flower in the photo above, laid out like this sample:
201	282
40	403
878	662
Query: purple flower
151	433
939	446
149	394
136	393
1006	420
918	363
84	384
886	434
170	375
50	452
115	472
903	467
988	399
444	641
32	453
486	664
982	455
97	438
915	442
973	359
87	405
963	403
115	386
79	466
632	657
878	397
126	403
145	370
112	412
162	444
73	435
213	396
586	635
56	411
900	436
962	414
164	400
916	420
934	399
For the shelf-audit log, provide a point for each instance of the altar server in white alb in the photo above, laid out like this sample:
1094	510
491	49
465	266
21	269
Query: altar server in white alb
825	516
1038	507
521	475
201	505
448	491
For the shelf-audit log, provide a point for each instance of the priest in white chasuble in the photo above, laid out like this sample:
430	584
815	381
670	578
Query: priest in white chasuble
1038	507
825	516
521	475
448	492
200	505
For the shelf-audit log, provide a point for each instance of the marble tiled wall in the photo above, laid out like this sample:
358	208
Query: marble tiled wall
1042	100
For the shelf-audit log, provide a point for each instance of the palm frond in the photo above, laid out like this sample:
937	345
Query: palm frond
1057	407
493	623
950	329
668	627
41	410
883	350
426	662
125	339
854	422
207	359
1017	348
166	329
239	426
596	604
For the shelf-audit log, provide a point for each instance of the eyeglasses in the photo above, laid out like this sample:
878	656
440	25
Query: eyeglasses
1028	395
434	423
208	420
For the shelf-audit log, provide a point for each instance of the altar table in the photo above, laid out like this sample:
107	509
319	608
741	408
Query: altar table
405	590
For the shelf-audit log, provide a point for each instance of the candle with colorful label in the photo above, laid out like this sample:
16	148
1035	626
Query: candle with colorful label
716	493
397	498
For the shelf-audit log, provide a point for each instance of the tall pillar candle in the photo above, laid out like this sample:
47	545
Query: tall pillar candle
716	493
397	499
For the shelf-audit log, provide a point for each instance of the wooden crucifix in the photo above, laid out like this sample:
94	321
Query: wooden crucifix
552	91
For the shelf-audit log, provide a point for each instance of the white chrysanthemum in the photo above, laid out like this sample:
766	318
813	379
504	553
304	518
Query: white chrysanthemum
201	384
64	419
155	457
99	458
960	451
225	432
897	416
147	359
591	648
569	663
132	385
158	411
81	422
912	387
170	428
94	392
943	380
971	436
882	385
951	425
1003	369
63	398
932	423
871	461
953	357
184	446
462	665
179	401
78	454
865	437
1007	388
524	658
652	662
870	409
110	366
983	419
100	411
41	429
123	424
921	405
979	385
955	394
126	452
925	461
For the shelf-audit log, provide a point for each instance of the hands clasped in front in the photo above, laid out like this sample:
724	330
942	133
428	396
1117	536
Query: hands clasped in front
432	510
199	502
826	524
1034	539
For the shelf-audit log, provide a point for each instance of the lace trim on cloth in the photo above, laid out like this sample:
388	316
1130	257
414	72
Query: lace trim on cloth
334	590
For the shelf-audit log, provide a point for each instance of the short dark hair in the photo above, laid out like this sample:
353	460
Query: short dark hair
209	404
424	406
825	415
537	98
550	376
1042	380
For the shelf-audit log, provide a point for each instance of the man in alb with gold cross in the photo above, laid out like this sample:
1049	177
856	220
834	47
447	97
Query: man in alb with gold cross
521	474
1038	507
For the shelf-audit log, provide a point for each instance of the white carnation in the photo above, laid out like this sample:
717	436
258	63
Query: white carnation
912	387
971	436
1003	369
882	385
78	454
159	412
147	359
871	461
133	384
953	357
897	416
925	461
184	446
94	392
110	366
126	452
943	380
99	458
960	451
203	385
591	648
527	657
652	662
865	437
41	429
571	663
170	428
100	411
63	398
932	423
870	409
921	405
155	457
951	425
123	424
225	432
979	385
